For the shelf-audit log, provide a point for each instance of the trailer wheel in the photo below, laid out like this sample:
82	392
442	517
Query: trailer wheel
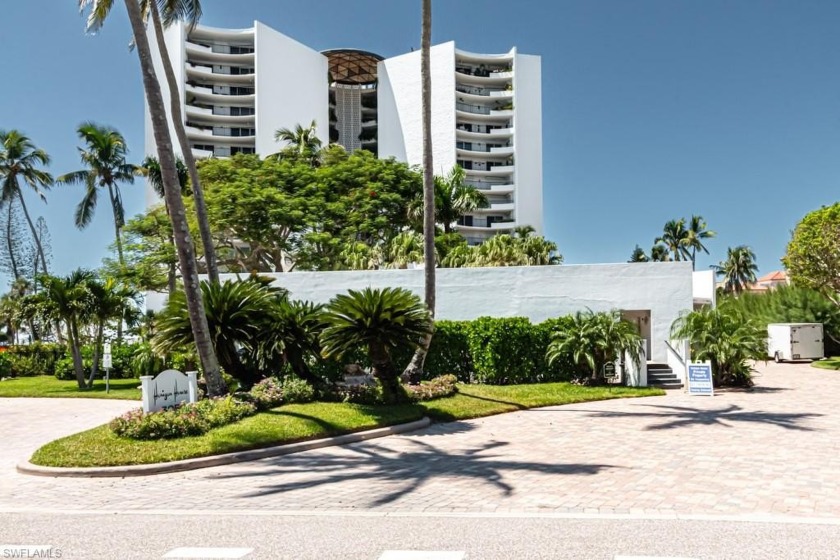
777	358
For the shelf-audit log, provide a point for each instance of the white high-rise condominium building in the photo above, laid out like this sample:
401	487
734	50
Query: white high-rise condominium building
239	86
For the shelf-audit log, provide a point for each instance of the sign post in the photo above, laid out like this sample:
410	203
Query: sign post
700	379
106	363
609	373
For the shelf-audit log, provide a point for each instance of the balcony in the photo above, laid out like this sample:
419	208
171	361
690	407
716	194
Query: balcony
501	133
201	53
494	171
202	153
203	116
505	226
369	123
206	73
469	111
469	150
203	135
495	208
205	94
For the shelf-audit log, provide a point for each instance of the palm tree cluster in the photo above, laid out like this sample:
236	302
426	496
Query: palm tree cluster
595	339
681	240
725	337
258	331
83	307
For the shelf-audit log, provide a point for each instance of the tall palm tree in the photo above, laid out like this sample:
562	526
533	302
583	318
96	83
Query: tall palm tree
105	167
151	169
188	11
675	238
697	231
169	173
738	270
20	161
302	141
415	368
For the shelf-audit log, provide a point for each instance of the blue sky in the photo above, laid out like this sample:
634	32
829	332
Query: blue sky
652	109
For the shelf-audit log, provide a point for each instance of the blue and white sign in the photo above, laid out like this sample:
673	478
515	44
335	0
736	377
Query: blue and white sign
700	379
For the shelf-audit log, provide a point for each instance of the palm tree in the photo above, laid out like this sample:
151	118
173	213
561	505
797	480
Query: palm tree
20	161
404	249
738	270
594	339
415	368
292	336
524	232
166	155
697	232
238	313
105	167
379	320
190	12
675	238
724	337
659	253
67	299
453	199
301	141
108	301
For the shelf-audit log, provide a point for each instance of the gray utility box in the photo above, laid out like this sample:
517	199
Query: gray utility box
795	341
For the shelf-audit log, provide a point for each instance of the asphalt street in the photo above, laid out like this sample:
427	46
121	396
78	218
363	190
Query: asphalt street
371	537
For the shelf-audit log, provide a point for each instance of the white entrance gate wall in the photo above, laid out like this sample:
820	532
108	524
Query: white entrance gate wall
536	292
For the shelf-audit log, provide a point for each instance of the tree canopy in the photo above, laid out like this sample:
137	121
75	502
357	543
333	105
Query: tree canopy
813	253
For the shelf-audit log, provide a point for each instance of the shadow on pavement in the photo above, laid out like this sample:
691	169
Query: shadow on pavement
408	469
680	416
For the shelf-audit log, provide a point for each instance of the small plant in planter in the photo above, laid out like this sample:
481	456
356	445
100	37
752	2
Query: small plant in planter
380	320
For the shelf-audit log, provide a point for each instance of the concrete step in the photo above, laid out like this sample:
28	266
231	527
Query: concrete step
662	376
668	385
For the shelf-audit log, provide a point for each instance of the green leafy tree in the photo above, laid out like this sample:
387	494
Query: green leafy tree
381	321
813	253
595	339
726	338
638	255
21	161
738	270
105	168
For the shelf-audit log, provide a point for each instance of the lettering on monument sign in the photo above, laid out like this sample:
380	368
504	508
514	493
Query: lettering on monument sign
700	379
169	388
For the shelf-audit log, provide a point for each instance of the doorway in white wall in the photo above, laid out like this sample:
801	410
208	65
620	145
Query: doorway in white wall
640	318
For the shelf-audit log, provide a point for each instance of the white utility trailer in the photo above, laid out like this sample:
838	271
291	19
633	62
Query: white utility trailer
795	341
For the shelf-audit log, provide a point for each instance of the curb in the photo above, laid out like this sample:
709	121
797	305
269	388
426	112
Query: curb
216	460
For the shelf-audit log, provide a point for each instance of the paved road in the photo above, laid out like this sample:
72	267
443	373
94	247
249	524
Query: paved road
130	537
771	452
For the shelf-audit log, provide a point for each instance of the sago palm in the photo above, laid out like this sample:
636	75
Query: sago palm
291	338
379	320
21	162
104	158
237	314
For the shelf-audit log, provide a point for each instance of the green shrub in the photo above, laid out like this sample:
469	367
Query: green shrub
450	351
296	390
38	358
267	394
438	387
357	394
5	365
188	420
506	350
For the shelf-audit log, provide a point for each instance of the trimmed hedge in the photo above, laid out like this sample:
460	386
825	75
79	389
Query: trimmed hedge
121	363
29	360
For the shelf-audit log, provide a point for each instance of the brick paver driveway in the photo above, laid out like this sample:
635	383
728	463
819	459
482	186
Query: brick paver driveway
772	451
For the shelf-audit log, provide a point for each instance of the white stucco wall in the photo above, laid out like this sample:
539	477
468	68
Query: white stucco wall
400	110
703	286
291	87
527	140
538	292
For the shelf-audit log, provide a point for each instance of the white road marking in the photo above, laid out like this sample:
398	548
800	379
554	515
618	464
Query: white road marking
422	555
652	558
195	552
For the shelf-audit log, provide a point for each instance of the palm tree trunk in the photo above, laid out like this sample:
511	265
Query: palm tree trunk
9	244
117	233
186	150
78	366
415	368
172	194
97	344
34	233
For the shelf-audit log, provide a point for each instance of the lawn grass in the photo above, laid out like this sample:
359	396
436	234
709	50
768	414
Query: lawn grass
828	363
289	423
49	386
